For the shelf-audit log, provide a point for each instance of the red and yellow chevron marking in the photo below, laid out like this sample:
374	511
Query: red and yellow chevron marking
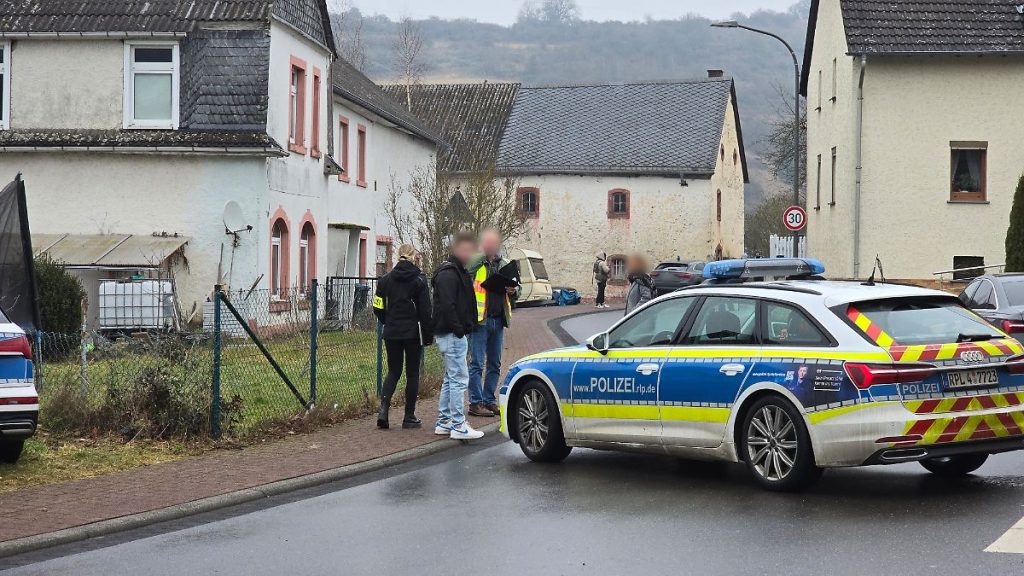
964	428
874	331
965	404
931	352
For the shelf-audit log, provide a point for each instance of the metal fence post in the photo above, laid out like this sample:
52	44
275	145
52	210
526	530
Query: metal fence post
83	367
380	359
215	388
313	317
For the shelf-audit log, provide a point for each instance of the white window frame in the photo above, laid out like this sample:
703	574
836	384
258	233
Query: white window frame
129	85
5	94
304	279
277	249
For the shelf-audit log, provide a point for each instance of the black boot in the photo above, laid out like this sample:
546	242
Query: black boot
382	416
411	421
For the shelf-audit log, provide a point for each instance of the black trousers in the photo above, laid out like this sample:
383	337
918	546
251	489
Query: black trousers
409	353
600	292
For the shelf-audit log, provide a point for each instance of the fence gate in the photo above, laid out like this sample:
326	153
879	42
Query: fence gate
279	353
782	246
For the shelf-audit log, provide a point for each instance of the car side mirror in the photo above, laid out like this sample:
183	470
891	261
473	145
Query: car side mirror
598	343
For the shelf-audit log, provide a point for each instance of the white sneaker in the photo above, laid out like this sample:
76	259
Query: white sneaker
443	429
465	432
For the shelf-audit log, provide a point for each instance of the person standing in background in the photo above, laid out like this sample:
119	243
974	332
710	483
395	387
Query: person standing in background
601	273
641	285
402	304
454	319
494	315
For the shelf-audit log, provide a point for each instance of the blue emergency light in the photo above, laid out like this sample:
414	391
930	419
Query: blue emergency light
763	268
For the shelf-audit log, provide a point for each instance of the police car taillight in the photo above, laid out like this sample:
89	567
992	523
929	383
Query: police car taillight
16	345
763	268
865	376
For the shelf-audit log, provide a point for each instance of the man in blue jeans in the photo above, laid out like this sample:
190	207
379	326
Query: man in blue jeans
454	319
493	315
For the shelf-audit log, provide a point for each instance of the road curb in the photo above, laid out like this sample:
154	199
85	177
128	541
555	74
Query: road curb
178	511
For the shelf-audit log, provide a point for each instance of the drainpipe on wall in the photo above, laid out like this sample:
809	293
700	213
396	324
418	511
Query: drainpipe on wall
860	143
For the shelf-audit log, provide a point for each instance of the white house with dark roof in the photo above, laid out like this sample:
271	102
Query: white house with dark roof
139	126
657	168
913	133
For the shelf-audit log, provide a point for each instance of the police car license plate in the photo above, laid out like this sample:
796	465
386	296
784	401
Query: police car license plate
972	379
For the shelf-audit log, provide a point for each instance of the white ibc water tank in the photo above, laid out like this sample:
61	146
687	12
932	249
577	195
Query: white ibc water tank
139	304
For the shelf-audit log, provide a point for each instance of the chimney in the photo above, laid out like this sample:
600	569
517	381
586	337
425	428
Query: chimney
716	73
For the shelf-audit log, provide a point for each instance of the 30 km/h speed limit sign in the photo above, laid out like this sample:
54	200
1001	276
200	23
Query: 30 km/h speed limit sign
795	218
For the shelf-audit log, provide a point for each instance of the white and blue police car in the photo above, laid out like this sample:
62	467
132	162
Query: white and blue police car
769	364
19	402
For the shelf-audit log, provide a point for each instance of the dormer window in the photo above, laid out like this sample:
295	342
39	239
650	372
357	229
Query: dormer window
151	86
5	85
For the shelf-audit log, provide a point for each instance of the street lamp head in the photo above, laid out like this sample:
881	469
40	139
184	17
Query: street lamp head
725	24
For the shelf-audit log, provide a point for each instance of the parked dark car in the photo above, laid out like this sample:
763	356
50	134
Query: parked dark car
998	298
671	276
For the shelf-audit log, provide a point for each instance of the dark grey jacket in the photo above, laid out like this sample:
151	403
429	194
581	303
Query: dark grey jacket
641	289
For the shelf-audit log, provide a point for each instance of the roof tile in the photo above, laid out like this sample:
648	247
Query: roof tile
648	128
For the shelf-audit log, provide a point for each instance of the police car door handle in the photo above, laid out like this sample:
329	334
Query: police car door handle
732	369
647	369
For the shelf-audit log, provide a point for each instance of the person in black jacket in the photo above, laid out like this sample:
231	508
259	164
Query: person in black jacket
454	319
402	304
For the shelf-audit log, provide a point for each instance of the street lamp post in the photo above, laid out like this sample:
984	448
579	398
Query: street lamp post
796	108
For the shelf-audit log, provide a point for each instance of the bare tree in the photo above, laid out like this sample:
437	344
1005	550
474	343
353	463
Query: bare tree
422	212
777	147
550	11
347	26
407	47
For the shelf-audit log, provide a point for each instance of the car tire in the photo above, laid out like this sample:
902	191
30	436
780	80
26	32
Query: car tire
10	450
538	423
954	466
776	446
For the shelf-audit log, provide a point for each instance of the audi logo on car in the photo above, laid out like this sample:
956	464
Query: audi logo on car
972	356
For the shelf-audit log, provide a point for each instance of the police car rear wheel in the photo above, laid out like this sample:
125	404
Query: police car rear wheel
777	447
954	466
539	424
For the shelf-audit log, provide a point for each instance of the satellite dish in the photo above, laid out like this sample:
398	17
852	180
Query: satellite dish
234	220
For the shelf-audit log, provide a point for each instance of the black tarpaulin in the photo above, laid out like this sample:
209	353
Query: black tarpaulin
17	276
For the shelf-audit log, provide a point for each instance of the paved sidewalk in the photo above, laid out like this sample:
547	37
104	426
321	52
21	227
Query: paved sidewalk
54	507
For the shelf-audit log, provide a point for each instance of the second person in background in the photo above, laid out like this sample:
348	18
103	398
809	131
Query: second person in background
641	285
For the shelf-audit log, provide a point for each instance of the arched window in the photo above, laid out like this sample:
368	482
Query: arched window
618	203
279	258
617	264
307	257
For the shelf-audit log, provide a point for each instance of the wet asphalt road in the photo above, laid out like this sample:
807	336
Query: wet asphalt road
483	508
491	511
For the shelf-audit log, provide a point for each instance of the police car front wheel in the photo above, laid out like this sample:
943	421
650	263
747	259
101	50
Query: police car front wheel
539	425
777	447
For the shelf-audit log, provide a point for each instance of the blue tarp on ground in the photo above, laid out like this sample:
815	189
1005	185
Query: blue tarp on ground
567	297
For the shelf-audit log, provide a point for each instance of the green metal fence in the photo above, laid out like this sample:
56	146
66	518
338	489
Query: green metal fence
260	359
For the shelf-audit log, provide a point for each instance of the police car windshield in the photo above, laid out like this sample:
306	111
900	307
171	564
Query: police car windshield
912	321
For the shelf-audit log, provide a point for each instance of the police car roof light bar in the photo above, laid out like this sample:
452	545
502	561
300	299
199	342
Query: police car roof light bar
763	268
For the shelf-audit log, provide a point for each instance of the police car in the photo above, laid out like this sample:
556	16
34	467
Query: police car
19	403
789	376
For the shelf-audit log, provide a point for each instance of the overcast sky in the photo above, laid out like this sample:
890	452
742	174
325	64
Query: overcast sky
504	11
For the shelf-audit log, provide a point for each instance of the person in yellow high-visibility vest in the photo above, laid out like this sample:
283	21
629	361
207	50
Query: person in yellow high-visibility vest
494	314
